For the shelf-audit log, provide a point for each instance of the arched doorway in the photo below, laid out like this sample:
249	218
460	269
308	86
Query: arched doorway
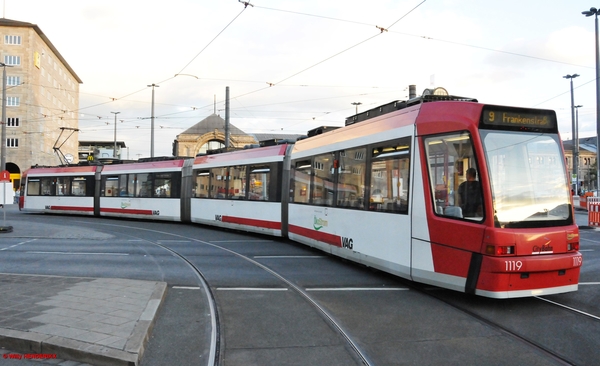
15	175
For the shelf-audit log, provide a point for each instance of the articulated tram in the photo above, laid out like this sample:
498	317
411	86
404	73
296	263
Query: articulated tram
441	190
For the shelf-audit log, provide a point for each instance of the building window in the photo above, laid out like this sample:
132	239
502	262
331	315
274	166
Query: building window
13	80
12	39
12	60
12	122
13	101
12	142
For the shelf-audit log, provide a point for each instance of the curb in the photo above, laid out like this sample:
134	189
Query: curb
71	349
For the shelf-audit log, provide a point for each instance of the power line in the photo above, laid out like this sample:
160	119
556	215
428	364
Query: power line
209	43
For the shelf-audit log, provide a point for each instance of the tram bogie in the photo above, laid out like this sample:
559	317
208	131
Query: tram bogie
445	191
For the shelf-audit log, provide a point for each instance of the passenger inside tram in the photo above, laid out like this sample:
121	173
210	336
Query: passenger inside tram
469	194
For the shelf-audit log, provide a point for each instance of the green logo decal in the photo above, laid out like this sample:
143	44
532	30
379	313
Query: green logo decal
319	223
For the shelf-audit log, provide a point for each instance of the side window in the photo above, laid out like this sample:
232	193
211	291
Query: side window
110	186
351	178
48	187
79	186
237	183
201	185
301	176
454	176
389	188
260	177
126	185
63	186
162	185
33	186
218	182
143	187
322	192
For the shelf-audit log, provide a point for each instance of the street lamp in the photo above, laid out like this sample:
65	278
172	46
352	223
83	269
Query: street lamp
152	122
574	134
115	148
594	11
356	104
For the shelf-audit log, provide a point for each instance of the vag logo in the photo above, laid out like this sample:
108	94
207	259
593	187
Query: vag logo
347	243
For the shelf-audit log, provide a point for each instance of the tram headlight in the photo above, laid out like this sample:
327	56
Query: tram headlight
500	250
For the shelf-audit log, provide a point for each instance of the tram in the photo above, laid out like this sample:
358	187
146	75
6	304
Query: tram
440	190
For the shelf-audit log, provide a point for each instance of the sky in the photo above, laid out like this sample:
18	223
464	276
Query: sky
295	65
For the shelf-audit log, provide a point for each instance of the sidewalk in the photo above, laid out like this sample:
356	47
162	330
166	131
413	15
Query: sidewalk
100	321
97	321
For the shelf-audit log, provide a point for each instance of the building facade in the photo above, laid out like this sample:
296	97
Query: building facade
42	99
586	167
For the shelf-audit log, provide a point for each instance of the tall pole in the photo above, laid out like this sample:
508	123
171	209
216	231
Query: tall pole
594	11
356	104
574	134
152	122
226	118
3	150
597	107
115	147
577	138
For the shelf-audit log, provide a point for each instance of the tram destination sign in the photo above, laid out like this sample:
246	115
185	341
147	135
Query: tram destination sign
497	117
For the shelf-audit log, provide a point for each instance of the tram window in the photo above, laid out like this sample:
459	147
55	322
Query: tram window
110	186
202	183
453	174
322	189
301	176
33	186
143	186
162	185
48	187
350	189
79	186
219	177
260	177
237	183
390	177
63	186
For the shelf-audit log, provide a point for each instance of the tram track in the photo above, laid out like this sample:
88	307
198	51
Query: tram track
460	302
560	359
214	358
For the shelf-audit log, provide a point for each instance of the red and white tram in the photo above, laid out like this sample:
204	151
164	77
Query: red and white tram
241	190
438	190
62	190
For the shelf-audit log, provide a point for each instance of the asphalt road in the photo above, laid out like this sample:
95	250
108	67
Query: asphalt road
265	320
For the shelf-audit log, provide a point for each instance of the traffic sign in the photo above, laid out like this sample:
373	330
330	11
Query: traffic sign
5	176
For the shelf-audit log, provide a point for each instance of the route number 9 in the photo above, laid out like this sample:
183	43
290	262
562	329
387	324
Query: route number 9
491	116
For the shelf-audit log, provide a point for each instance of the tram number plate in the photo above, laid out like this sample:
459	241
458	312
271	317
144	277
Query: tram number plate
156	213
513	265
577	261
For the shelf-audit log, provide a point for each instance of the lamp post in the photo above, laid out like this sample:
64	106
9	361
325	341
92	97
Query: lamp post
594	11
115	147
574	134
152	122
356	104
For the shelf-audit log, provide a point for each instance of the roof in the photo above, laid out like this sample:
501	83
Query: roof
587	143
15	23
211	123
101	143
275	136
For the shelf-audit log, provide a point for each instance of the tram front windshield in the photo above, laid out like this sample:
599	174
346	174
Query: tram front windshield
528	180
